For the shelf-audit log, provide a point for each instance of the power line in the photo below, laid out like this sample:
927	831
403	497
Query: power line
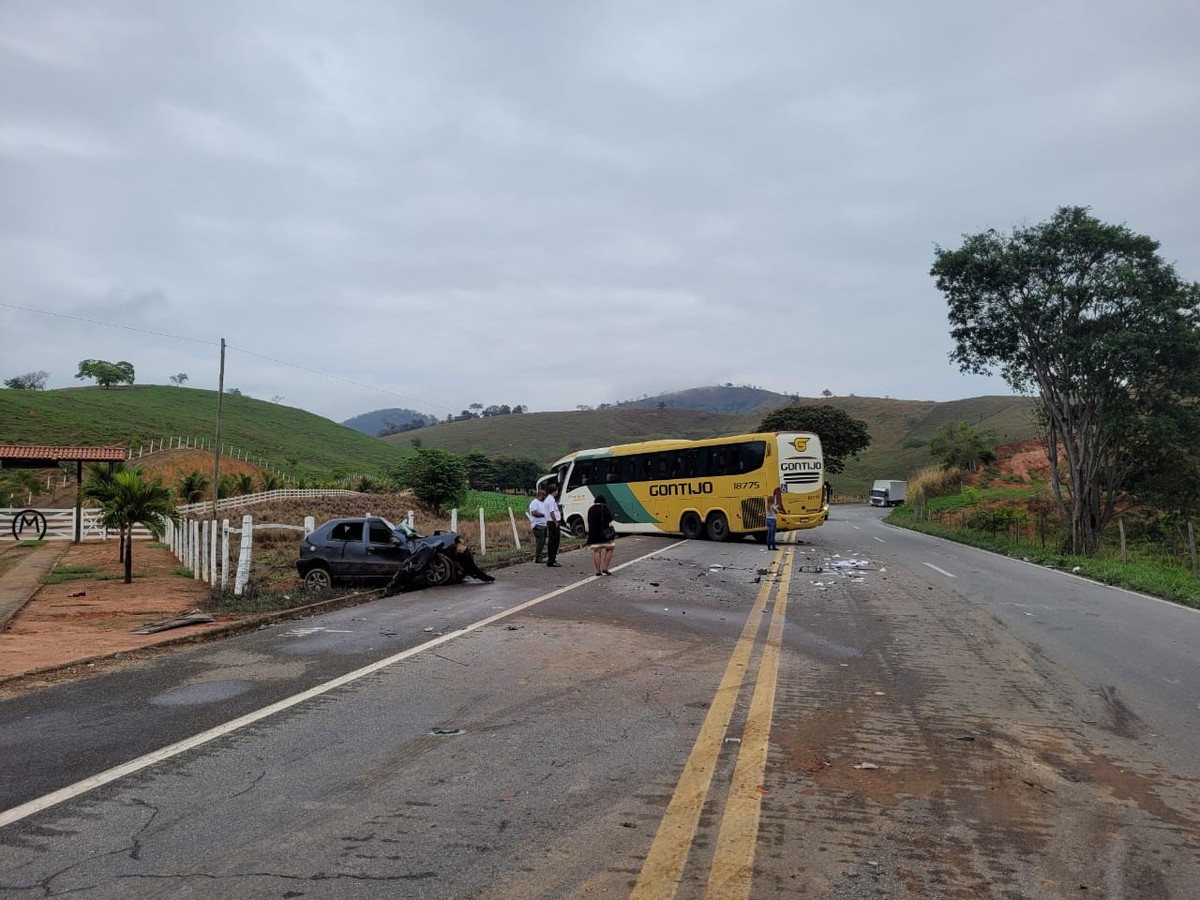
179	337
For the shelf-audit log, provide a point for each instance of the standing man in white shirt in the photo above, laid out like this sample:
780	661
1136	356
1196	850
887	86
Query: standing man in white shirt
553	526
539	522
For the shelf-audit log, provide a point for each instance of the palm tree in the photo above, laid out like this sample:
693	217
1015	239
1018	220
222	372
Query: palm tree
99	486
192	487
245	483
133	501
268	481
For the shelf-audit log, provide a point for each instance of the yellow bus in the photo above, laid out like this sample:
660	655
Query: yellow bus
716	488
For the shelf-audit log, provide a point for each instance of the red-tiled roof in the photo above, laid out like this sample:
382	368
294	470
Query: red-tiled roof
61	454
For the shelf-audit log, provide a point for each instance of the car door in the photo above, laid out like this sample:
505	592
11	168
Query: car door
352	549
382	555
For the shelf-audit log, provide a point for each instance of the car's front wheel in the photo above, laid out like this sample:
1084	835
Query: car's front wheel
318	579
439	571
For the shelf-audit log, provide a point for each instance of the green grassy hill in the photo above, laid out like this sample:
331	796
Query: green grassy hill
295	442
306	446
900	431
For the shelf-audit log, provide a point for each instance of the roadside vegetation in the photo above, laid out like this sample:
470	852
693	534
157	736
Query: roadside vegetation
997	511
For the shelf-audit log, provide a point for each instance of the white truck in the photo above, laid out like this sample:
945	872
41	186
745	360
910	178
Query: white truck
887	493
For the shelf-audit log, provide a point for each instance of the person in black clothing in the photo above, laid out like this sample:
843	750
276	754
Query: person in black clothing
601	535
553	526
465	558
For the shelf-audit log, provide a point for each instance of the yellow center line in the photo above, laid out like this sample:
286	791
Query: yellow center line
663	868
733	861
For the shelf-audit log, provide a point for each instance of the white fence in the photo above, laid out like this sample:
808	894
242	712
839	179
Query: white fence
18	525
264	497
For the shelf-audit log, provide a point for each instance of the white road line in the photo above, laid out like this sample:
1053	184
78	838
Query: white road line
943	571
881	540
156	756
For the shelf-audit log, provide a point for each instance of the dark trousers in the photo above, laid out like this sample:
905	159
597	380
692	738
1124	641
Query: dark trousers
539	542
552	538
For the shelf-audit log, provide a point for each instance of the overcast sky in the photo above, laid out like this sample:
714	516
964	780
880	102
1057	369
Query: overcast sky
427	205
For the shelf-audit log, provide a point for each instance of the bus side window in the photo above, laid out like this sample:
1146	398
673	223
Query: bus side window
690	464
753	455
613	472
717	461
580	475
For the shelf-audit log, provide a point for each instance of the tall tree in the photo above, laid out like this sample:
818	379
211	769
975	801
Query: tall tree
842	436
1089	318
437	477
30	381
105	373
179	380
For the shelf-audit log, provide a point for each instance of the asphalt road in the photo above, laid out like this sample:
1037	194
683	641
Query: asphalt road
871	713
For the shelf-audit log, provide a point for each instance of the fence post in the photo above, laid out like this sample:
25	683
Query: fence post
202	569
243	569
224	553
194	550
310	525
1121	528
482	533
212	555
410	518
513	521
454	519
1192	546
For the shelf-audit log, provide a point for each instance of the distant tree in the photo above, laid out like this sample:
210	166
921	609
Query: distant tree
234	392
1092	320
192	487
517	410
481	469
516	473
961	446
277	398
179	380
842	437
827	393
416	443
105	373
475	407
366	485
661	404
583	407
30	381
436	477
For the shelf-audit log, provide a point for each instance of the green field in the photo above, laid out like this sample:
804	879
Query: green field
308	447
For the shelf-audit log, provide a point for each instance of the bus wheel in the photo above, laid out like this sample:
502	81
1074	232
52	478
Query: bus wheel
577	527
691	526
718	527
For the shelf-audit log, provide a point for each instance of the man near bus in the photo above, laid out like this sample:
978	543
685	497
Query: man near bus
553	526
538	522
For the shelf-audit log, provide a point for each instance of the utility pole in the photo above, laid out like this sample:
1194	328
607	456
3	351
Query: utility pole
217	443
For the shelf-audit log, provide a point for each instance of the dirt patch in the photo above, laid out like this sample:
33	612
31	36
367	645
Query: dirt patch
1024	459
87	617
